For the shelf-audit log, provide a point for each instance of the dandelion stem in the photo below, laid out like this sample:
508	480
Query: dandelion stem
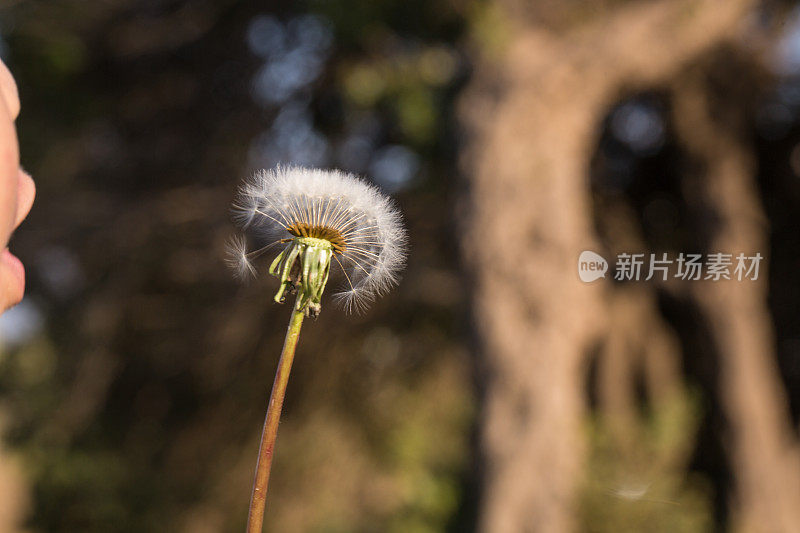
255	518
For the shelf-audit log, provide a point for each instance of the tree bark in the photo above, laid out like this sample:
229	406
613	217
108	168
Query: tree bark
532	113
764	449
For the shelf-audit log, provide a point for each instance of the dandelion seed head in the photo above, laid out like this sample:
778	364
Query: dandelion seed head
363	227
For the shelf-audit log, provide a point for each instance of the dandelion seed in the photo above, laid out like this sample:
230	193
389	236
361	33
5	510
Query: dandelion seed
636	492
237	258
631	492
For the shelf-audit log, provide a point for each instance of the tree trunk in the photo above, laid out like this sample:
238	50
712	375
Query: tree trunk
532	112
764	450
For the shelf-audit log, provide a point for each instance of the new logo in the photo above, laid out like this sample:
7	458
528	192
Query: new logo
591	266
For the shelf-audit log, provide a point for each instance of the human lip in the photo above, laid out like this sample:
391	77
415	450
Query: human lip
11	264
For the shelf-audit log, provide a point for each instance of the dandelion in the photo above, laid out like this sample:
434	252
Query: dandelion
324	219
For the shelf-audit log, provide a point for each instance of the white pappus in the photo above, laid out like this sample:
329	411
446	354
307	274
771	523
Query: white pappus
348	221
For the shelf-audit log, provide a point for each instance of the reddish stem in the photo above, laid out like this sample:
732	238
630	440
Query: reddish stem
255	518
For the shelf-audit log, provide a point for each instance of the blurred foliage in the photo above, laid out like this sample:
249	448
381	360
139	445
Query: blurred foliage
138	404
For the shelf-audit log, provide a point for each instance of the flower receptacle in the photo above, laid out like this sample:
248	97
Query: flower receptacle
304	266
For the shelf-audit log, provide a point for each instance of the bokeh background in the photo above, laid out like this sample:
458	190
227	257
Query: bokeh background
492	390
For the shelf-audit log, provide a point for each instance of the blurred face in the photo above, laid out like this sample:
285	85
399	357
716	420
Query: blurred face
16	192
